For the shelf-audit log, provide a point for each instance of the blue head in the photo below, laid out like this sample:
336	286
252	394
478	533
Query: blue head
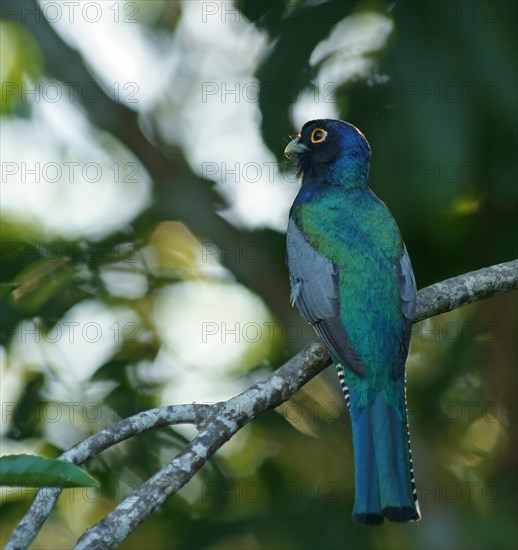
330	152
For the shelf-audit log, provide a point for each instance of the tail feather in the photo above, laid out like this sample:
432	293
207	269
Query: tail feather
383	466
367	486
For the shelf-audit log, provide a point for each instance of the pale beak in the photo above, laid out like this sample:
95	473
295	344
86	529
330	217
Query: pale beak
294	147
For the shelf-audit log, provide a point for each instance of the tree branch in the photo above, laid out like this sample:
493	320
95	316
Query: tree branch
465	289
219	422
46	498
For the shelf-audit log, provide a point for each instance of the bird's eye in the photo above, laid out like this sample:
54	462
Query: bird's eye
318	135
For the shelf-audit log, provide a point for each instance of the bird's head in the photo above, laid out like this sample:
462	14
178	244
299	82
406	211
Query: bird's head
330	152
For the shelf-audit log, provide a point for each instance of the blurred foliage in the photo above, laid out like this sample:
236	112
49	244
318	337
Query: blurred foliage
437	101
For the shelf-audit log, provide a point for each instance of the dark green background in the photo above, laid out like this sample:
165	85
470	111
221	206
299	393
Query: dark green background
443	133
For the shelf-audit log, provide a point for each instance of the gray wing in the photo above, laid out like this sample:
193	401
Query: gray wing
315	289
407	295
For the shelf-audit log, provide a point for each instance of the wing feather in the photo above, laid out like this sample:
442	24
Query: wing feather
408	296
315	283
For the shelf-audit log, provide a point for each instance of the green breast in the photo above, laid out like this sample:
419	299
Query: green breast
357	232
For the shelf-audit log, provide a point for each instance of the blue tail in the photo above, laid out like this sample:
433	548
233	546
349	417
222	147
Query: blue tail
384	478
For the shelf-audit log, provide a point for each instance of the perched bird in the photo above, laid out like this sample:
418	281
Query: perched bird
352	280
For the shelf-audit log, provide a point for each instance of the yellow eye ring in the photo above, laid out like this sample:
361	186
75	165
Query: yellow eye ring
318	135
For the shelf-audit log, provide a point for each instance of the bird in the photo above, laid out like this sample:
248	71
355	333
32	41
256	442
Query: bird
352	280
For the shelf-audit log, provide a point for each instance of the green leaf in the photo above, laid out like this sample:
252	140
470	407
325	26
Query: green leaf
5	288
37	471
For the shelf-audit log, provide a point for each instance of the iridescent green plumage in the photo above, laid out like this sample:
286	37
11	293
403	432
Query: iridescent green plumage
365	244
353	281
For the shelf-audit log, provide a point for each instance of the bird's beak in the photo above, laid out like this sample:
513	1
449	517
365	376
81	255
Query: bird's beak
294	147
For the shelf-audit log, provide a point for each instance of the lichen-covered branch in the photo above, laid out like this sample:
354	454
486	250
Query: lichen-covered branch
232	415
465	289
219	422
46	498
